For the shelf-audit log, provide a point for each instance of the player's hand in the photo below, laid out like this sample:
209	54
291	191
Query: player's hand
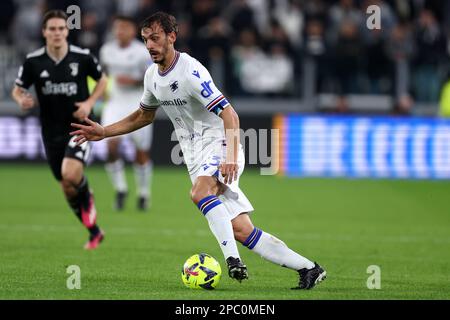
229	171
92	132
84	109
26	101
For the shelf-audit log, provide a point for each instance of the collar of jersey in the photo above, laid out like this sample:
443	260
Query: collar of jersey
56	62
172	65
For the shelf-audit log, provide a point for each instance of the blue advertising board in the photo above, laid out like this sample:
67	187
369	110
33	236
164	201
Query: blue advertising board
377	147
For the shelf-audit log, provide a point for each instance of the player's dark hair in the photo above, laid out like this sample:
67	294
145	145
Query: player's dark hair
53	14
167	22
125	18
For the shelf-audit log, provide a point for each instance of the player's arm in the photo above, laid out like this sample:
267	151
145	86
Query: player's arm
229	169
85	107
202	88
94	131
23	98
138	119
24	80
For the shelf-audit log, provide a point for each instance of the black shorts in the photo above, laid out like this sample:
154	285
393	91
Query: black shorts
56	152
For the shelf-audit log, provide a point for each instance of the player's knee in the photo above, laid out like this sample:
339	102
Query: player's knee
198	193
241	233
113	150
242	227
142	157
68	189
65	184
113	156
70	178
203	187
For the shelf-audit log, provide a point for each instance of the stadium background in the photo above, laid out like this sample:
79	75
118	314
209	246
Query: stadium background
349	102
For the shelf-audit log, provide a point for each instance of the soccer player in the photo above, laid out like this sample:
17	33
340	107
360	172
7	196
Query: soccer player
207	128
125	60
59	74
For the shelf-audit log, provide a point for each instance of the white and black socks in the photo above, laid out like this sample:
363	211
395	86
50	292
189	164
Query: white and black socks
116	173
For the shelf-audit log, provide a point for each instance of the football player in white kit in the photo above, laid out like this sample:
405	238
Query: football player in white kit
207	128
126	60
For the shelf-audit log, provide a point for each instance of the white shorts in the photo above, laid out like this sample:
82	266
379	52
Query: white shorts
115	111
233	198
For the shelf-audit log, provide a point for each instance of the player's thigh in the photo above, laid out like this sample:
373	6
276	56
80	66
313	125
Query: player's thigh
55	156
75	158
113	145
72	170
204	186
142	156
142	138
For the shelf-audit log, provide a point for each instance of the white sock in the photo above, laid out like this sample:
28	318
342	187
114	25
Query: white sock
275	250
116	174
143	176
220	225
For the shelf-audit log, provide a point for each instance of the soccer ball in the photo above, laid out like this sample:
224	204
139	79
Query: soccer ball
201	271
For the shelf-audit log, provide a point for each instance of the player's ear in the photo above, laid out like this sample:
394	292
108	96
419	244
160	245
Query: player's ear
66	31
172	37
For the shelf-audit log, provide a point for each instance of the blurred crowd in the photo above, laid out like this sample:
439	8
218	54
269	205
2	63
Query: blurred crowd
264	47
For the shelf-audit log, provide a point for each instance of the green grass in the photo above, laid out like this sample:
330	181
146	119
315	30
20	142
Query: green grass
345	225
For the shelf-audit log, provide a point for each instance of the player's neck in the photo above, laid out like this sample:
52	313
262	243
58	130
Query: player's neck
168	61
57	53
124	44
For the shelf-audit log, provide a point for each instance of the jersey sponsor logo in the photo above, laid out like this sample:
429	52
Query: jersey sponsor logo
174	102
174	86
44	74
73	68
207	91
196	73
64	88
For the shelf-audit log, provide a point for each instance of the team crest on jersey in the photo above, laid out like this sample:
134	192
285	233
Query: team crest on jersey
174	86
73	68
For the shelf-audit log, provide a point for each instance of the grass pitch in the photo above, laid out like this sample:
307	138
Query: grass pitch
346	225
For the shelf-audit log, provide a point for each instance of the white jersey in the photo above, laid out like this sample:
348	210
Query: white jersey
193	103
131	61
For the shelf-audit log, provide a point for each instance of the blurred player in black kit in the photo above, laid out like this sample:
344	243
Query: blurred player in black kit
59	74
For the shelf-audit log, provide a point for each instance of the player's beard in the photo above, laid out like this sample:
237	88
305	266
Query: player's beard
163	54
